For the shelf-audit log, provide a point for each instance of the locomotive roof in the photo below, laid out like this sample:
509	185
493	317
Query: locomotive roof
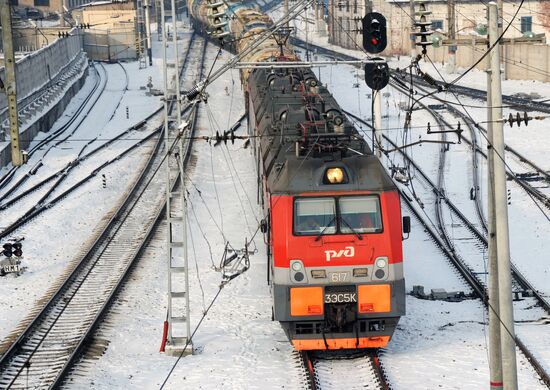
303	132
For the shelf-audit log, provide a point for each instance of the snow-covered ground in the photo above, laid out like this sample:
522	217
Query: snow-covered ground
437	344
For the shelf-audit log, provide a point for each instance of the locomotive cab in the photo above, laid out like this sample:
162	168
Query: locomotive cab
337	258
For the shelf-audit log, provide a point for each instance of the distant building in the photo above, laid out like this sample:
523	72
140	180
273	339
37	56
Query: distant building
344	21
470	17
46	7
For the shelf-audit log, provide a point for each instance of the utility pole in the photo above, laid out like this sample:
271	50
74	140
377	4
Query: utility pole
378	121
500	5
148	31
497	170
495	352
10	84
307	32
286	12
176	61
451	35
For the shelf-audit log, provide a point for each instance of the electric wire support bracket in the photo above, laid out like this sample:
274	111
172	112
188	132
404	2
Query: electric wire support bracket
234	262
423	24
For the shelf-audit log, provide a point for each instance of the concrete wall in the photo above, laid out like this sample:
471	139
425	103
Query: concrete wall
37	69
32	38
111	45
39	72
47	119
523	61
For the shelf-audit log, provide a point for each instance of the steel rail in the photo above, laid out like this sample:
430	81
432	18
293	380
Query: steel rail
151	230
361	369
469	276
100	246
11	172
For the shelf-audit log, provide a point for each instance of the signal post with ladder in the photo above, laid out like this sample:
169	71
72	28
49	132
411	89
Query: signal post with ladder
177	327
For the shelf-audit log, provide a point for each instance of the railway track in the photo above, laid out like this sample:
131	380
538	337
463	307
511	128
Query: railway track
99	85
46	201
440	238
58	137
327	370
45	352
469	270
520	158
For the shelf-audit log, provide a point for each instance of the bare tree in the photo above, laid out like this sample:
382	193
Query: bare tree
544	14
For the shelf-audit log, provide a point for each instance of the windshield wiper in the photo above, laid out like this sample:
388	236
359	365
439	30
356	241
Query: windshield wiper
325	228
359	236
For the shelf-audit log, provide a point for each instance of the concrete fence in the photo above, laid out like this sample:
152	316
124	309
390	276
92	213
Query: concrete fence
521	61
111	45
37	69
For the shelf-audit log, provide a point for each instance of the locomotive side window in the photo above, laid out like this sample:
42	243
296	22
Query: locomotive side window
360	214
314	215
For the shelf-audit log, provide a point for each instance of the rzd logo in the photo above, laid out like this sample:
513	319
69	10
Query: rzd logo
348	251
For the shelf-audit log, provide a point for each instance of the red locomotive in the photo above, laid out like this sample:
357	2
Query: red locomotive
333	225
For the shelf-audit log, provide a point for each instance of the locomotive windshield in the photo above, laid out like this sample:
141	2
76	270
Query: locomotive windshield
315	215
344	215
360	214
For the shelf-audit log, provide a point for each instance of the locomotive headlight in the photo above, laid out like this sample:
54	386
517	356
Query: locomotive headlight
297	271
381	262
335	175
381	271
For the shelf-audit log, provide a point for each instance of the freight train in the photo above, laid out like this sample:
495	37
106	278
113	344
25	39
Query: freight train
333	221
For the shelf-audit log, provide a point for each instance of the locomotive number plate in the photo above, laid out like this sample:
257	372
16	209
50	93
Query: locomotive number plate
340	297
339	277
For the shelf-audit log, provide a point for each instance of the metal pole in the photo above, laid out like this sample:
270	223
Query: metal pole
413	29
167	150
286	12
184	238
148	32
451	35
495	352
10	84
509	367
378	121
307	38
176	60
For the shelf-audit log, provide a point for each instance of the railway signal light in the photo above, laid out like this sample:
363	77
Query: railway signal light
7	250
377	74
18	249
374	32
